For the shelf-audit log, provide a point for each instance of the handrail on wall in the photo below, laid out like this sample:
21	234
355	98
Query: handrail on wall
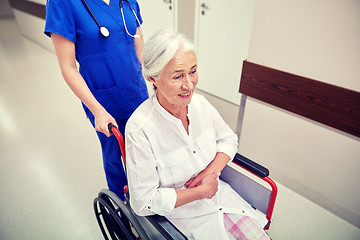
29	7
328	104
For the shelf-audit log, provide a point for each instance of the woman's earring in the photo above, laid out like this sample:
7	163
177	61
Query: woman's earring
151	79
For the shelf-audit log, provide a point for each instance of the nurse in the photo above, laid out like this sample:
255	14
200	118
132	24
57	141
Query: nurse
109	81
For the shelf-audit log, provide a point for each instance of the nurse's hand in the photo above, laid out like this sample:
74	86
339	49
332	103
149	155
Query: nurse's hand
102	121
209	185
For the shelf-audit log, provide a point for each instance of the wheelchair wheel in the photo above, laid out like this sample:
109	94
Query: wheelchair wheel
114	218
111	219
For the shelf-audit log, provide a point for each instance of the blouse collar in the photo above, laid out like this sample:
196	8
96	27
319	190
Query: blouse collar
163	112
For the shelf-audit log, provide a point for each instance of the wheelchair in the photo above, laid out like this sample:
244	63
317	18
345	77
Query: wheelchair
117	220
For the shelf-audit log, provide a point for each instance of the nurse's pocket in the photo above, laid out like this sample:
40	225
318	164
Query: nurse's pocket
116	101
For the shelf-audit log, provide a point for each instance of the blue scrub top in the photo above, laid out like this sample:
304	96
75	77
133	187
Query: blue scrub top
109	66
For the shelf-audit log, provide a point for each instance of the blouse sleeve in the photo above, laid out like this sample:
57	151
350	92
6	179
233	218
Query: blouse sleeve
146	196
226	139
59	19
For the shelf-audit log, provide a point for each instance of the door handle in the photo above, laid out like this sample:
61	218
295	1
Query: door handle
168	2
204	6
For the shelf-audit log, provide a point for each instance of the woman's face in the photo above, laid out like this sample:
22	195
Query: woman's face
177	82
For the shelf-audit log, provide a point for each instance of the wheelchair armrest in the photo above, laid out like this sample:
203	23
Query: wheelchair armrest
165	227
239	185
250	165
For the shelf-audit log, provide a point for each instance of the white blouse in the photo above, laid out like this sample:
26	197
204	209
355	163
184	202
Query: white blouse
162	157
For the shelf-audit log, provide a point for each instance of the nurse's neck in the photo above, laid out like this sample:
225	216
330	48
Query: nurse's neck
106	1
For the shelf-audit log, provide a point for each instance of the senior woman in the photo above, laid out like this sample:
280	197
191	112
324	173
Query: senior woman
177	144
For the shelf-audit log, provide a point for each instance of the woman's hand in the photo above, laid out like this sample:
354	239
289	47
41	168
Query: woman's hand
209	185
205	184
217	165
102	120
195	181
206	188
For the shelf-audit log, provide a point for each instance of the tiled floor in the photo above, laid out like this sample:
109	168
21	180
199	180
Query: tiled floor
50	160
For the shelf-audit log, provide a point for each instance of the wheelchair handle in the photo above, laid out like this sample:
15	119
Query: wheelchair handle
113	129
110	126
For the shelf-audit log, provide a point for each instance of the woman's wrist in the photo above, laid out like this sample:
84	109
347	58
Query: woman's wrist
219	162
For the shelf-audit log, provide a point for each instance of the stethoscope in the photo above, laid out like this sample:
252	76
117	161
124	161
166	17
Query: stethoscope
104	31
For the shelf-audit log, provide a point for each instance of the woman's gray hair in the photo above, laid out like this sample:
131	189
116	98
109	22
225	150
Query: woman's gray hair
160	48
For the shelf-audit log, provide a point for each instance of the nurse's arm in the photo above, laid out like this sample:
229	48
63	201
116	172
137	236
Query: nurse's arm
139	44
65	52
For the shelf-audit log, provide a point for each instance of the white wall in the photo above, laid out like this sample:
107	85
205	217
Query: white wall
320	40
5	9
186	18
32	27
